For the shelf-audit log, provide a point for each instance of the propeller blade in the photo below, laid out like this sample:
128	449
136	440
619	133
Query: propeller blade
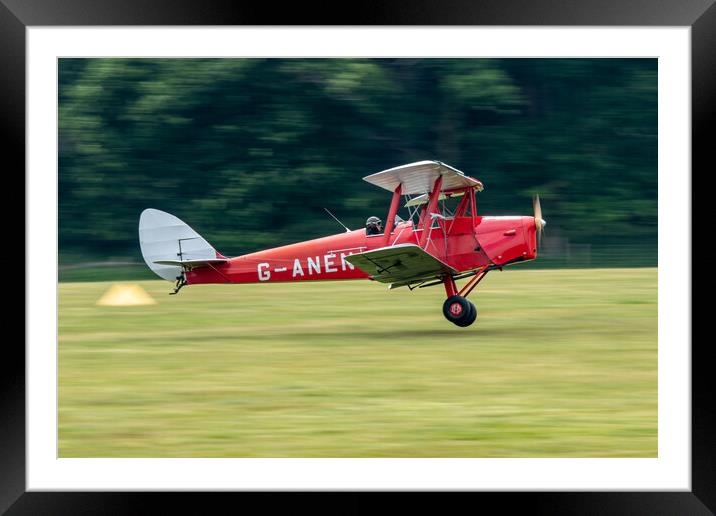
540	223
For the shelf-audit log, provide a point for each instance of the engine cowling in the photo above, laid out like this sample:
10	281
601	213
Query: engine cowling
507	239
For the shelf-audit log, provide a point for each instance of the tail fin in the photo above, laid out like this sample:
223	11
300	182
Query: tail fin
169	246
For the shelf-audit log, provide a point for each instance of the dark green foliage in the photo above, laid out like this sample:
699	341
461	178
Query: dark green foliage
249	151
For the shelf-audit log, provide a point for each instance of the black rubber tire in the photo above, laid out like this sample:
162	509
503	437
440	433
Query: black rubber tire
470	318
457	309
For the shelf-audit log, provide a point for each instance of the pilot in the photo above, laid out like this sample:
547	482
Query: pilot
373	226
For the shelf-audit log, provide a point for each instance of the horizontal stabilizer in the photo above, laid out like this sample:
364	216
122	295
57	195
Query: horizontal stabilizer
190	264
404	263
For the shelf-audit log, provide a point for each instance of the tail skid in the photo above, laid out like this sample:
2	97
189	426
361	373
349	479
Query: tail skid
181	281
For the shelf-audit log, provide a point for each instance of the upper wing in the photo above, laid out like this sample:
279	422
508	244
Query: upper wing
404	263
419	178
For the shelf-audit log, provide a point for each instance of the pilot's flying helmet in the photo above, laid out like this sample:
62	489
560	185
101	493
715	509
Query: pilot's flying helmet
373	222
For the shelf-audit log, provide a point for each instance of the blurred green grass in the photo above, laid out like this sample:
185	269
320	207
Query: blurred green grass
132	272
560	363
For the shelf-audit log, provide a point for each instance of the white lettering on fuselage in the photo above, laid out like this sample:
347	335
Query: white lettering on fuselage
312	264
264	275
328	263
297	269
344	262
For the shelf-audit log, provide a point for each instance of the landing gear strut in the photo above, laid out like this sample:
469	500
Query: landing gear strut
457	309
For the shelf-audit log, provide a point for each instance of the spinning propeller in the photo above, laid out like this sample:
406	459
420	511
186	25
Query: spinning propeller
540	223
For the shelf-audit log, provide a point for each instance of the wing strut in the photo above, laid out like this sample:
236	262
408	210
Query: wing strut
392	212
432	204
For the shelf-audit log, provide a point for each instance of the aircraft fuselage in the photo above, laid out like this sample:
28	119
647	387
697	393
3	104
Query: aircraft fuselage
456	241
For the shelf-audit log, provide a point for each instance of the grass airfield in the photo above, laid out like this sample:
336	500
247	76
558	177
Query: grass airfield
560	363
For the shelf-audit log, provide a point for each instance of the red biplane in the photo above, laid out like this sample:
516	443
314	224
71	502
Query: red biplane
435	246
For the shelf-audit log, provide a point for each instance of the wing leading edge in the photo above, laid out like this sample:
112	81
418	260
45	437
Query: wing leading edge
400	264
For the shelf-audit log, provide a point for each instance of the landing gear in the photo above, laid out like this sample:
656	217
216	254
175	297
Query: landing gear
459	311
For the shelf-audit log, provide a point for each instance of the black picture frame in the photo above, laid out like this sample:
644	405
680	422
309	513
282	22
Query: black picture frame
17	15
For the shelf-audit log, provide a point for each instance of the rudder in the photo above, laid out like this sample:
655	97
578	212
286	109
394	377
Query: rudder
165	238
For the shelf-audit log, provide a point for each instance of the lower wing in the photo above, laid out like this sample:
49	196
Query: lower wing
404	263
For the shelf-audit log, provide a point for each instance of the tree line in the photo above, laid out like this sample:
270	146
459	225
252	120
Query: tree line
249	151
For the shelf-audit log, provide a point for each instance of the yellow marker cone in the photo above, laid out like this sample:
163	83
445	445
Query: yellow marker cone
126	295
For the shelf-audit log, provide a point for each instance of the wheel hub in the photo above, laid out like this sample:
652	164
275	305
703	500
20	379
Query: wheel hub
456	309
